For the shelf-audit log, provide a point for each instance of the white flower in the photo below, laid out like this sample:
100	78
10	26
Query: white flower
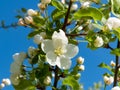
116	88
31	12
28	20
63	1
6	81
113	23
2	85
18	60
98	42
58	51
47	80
74	7
108	80
85	4
80	60
112	63
38	38
42	6
45	1
14	79
21	22
81	67
19	57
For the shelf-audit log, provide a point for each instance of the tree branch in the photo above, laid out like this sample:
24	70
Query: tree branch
66	17
56	78
116	67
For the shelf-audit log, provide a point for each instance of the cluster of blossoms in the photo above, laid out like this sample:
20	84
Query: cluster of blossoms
5	82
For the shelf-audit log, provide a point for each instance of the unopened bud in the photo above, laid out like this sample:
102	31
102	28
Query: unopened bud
74	7
80	60
6	81
112	63
42	6
45	1
108	80
47	80
32	12
28	20
81	67
21	22
2	85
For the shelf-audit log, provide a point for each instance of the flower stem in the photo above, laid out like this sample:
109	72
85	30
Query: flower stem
56	78
66	17
117	66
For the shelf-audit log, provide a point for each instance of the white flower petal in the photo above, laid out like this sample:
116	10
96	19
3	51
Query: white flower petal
63	62
15	68
72	50
51	58
47	46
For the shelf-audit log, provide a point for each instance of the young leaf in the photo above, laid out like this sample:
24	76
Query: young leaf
57	4
116	51
95	13
116	7
103	65
70	81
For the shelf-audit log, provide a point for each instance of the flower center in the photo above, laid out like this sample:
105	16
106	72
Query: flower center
59	51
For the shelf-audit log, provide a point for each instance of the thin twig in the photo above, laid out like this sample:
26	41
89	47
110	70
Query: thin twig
66	17
116	67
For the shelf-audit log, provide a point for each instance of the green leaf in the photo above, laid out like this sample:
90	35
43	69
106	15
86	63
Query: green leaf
116	7
39	20
103	65
24	85
95	13
30	35
70	81
58	14
23	10
116	51
58	4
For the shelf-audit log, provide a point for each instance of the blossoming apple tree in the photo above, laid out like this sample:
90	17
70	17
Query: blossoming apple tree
56	33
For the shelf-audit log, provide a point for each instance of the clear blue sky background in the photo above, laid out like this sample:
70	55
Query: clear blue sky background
15	40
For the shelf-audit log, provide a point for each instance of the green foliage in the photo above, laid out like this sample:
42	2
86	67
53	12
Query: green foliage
116	52
94	13
70	81
116	7
103	65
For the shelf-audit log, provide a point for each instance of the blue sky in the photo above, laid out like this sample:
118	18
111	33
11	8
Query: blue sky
15	40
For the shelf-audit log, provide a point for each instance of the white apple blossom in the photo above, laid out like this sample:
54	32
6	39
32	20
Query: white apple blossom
116	88
38	38
28	20
45	1
80	60
58	51
31	12
98	42
19	57
85	4
113	23
47	80
6	81
2	85
81	67
74	7
112	63
108	80
18	60
14	79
